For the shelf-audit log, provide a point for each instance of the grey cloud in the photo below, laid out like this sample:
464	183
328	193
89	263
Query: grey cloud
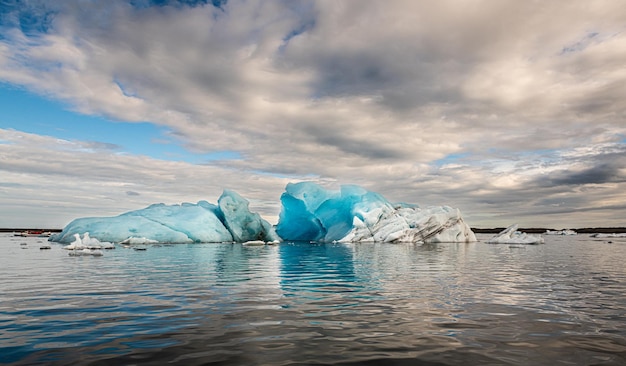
97	145
582	44
361	148
604	173
352	74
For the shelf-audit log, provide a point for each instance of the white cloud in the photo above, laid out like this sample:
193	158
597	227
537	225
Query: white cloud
368	92
55	180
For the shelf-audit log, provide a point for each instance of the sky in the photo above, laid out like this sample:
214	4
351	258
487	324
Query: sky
512	111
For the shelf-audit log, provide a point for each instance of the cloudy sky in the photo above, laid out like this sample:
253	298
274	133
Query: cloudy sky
513	111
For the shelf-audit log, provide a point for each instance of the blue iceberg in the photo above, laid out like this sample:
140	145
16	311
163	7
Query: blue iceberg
353	214
308	213
231	220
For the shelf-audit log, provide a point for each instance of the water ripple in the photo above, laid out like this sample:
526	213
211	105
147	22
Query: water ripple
299	303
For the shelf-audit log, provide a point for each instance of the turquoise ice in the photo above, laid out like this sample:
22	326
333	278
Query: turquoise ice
203	222
309	212
353	214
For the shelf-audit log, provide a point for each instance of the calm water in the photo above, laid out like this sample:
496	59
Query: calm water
561	303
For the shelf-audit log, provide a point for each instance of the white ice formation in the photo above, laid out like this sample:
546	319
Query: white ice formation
353	214
511	235
561	232
86	252
134	240
608	235
309	213
87	246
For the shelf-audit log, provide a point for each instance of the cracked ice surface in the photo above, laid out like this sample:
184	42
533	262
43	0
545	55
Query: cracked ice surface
353	214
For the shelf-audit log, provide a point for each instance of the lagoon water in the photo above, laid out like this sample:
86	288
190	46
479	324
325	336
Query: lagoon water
559	303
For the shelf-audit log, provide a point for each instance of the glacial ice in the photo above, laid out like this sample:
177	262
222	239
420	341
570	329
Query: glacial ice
309	212
353	214
186	223
87	242
240	222
561	232
511	235
608	235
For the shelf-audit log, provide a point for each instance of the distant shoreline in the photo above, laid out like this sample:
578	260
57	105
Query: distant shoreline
19	230
532	230
536	230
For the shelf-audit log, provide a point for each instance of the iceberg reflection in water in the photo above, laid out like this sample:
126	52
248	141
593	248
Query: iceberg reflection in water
307	303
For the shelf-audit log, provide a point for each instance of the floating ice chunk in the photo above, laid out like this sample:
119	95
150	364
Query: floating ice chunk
134	240
510	235
86	252
77	244
608	235
254	243
353	214
560	232
87	242
107	245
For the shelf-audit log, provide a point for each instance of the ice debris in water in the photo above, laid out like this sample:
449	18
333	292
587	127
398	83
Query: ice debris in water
86	252
87	243
309	212
511	235
561	232
353	214
134	240
608	235
231	220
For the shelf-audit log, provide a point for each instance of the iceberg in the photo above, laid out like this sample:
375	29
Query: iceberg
511	235
352	214
203	222
308	213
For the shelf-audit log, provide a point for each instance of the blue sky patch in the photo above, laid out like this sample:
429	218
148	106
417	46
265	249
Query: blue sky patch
31	113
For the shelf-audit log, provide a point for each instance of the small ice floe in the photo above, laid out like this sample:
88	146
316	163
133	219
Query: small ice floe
142	248
136	240
561	232
608	235
86	252
108	246
44	247
87	242
510	235
77	244
91	243
254	243
97	253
